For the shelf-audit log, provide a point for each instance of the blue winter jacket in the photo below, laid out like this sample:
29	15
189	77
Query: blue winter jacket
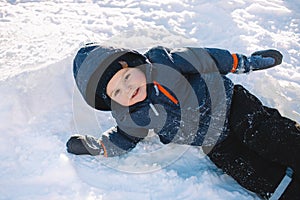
195	77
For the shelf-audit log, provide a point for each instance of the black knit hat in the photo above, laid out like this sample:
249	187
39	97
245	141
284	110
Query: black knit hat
93	68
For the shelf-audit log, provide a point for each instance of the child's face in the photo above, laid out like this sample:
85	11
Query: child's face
127	86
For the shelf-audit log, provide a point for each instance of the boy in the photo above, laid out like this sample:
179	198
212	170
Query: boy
184	95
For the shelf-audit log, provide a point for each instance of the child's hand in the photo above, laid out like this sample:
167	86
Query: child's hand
83	145
258	60
265	59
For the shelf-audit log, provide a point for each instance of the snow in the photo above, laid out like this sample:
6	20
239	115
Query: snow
41	108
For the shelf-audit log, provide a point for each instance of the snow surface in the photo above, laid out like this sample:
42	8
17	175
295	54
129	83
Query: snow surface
40	107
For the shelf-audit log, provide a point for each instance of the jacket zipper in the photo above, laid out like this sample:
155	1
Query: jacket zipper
159	88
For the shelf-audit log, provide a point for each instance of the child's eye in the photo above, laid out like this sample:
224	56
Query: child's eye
116	92
127	77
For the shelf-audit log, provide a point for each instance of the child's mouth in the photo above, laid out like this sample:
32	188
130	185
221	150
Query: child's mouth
135	93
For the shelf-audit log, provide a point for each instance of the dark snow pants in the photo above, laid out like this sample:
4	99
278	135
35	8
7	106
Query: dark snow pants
259	148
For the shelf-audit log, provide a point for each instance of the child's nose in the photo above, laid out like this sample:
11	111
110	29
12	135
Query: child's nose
128	86
129	89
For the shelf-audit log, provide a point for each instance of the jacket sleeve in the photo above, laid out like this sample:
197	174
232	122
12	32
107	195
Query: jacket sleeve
223	58
190	60
116	142
203	60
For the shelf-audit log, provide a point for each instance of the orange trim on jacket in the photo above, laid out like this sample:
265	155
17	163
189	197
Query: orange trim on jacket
235	62
165	92
104	149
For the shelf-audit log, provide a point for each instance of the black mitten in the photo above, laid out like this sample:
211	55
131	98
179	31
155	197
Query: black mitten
271	53
258	60
84	145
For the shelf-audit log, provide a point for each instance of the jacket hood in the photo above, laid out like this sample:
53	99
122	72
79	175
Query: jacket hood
94	65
